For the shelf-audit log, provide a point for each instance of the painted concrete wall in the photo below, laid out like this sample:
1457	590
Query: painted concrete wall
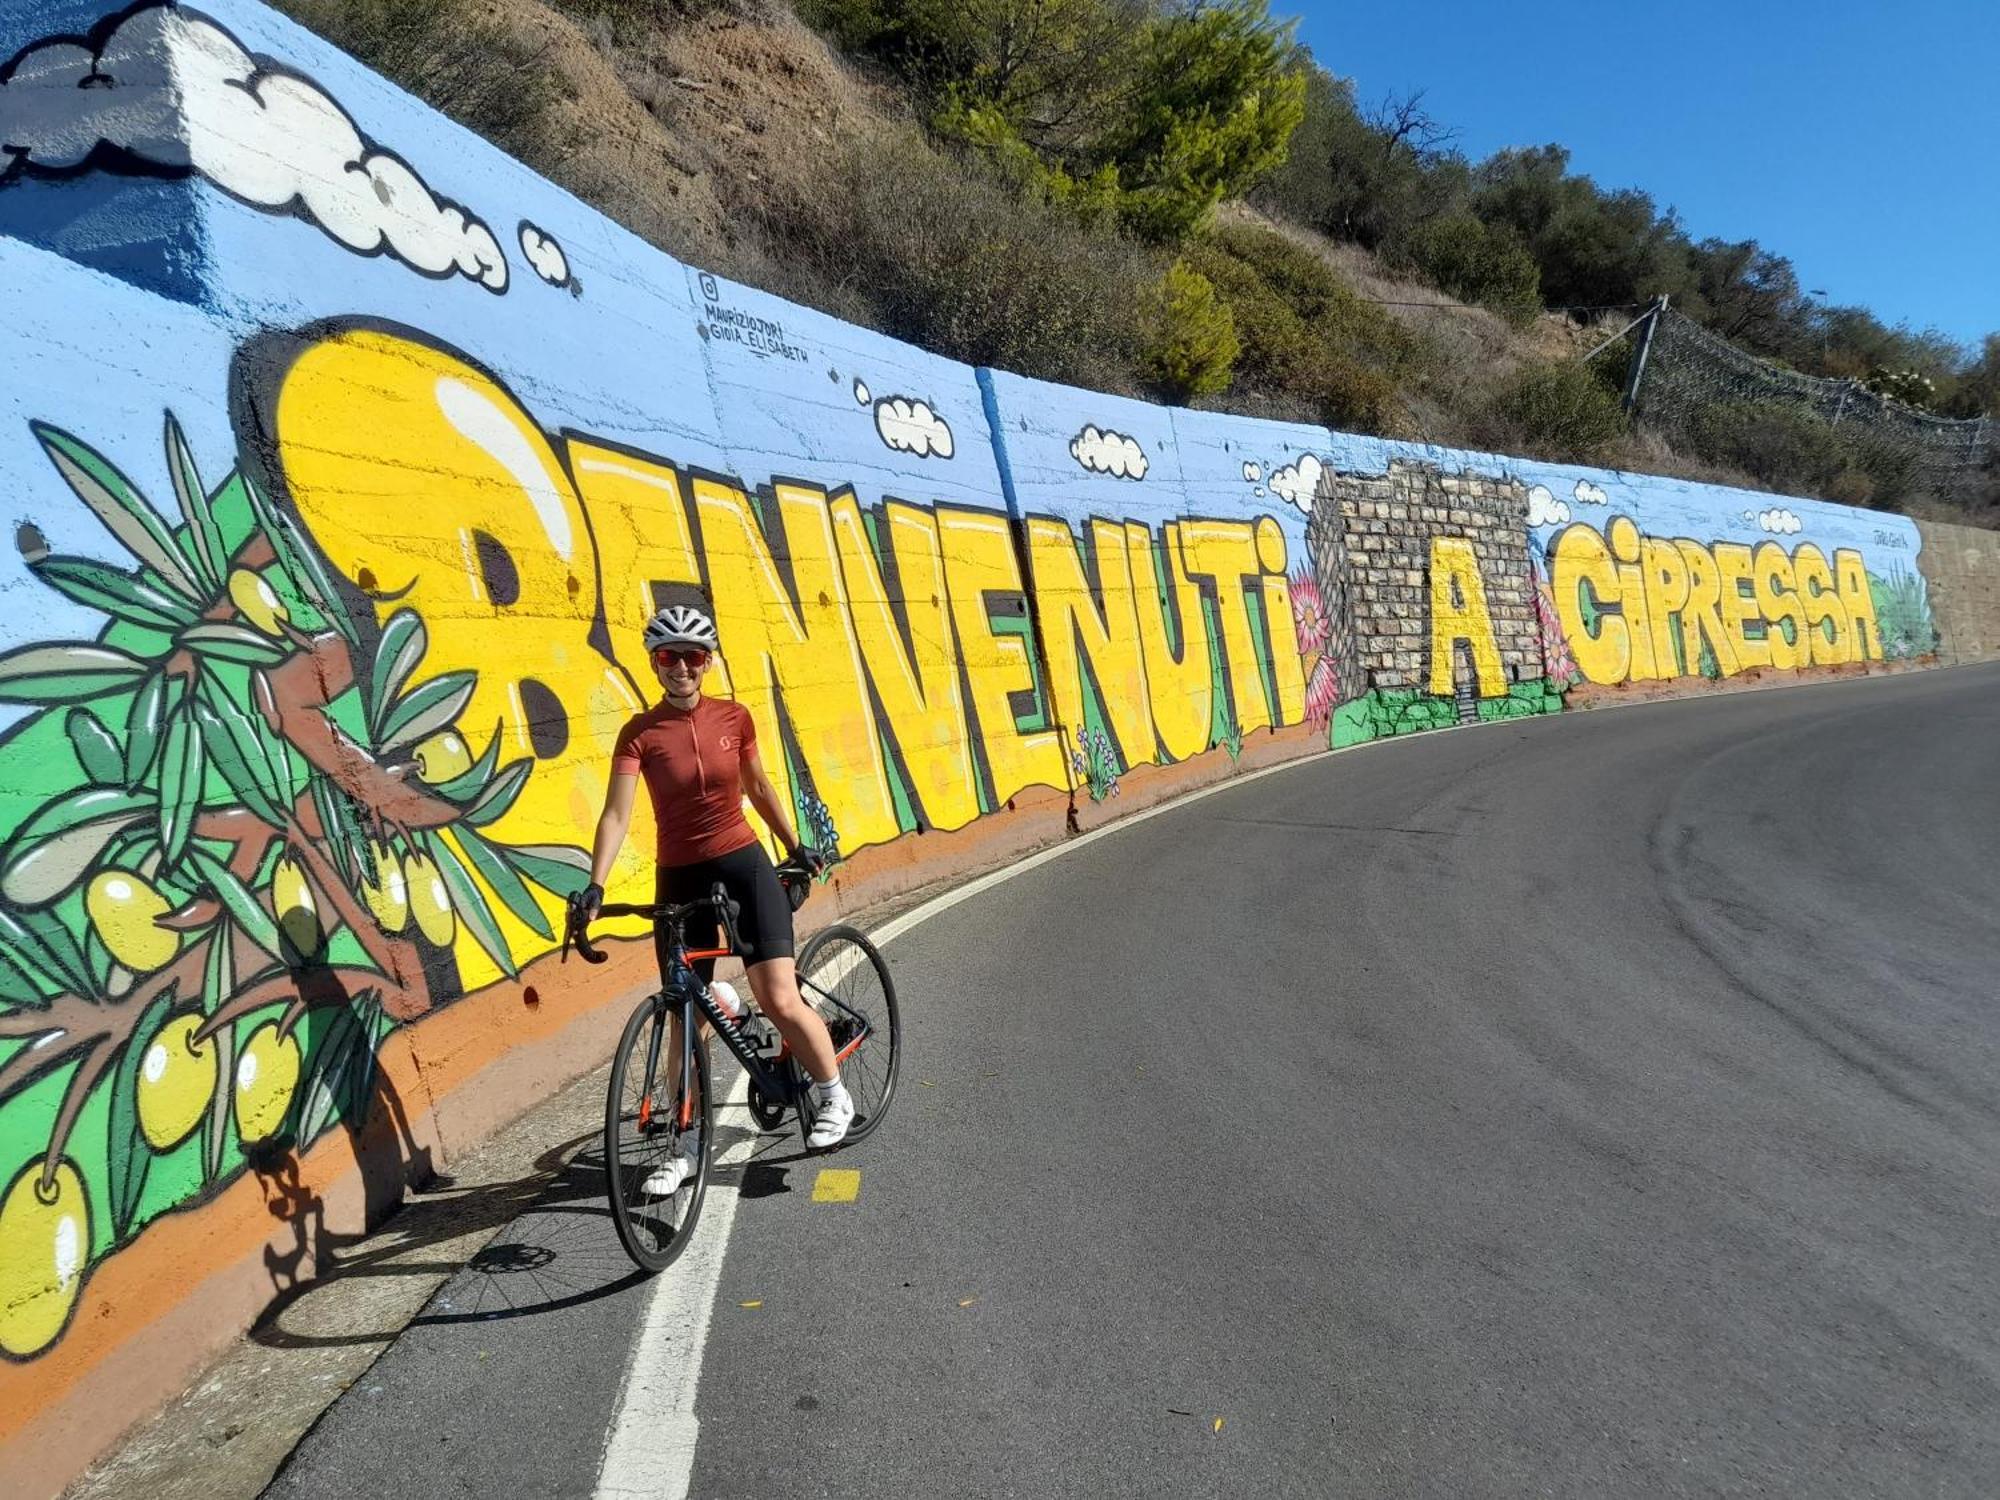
346	458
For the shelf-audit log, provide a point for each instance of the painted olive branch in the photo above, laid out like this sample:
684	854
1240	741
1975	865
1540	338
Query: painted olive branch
294	695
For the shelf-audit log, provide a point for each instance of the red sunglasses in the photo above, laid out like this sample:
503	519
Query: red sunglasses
694	660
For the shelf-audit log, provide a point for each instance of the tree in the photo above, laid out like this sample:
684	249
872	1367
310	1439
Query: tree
1976	392
1190	338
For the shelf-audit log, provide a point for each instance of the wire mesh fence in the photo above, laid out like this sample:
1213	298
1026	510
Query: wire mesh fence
1702	392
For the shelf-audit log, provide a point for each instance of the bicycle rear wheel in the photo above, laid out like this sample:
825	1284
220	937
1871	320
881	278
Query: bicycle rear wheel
843	977
653	1116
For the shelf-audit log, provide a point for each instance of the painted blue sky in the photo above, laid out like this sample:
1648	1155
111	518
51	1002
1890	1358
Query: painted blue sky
1853	136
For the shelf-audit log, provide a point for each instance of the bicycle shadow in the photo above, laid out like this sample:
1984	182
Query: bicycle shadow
550	1245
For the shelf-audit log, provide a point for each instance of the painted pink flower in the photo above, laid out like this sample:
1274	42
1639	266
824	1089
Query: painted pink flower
1557	661
1322	691
1309	621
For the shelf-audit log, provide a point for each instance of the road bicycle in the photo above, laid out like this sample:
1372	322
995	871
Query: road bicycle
659	1107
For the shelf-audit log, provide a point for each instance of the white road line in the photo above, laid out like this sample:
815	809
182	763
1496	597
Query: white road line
650	1451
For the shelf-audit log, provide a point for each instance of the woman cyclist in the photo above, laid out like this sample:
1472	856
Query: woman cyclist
698	757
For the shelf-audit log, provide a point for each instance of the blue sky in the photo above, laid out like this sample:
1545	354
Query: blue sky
1858	137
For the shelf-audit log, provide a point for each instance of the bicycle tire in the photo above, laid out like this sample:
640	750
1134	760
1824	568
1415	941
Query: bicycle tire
839	963
654	1231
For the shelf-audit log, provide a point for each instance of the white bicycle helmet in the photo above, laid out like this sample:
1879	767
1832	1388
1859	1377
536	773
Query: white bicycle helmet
680	625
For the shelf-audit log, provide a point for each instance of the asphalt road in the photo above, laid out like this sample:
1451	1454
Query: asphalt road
1598	1105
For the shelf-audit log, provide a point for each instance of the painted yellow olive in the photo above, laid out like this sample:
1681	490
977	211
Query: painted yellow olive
267	1073
125	910
430	902
387	894
442	757
255	601
44	1243
176	1083
292	901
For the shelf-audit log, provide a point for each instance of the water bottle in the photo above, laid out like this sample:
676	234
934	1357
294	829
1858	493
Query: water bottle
728	1000
761	1035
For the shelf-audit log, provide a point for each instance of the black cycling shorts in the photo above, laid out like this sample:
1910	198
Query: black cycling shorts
765	923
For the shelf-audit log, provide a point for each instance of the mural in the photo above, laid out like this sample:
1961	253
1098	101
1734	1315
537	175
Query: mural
162	90
329	567
326	763
1432	569
1667	582
267	832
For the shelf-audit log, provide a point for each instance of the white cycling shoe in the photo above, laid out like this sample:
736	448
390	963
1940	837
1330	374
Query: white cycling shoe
830	1124
665	1180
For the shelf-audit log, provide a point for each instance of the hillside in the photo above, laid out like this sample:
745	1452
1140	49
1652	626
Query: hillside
735	137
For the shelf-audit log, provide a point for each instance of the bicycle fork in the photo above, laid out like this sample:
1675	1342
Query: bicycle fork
684	1108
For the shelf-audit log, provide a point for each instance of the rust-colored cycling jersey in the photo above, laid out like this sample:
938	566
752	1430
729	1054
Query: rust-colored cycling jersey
692	764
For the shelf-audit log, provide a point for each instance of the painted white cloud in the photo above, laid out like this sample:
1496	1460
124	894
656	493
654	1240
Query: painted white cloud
544	255
1253	472
1298	481
1783	522
1106	452
168	89
1590	494
910	426
1544	509
861	393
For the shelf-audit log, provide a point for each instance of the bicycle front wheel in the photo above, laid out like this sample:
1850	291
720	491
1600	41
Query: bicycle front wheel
658	1124
843	977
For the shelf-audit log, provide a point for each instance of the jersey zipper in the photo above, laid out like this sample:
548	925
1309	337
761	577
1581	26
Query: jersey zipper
700	770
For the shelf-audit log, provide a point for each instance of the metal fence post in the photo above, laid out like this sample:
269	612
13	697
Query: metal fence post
1639	356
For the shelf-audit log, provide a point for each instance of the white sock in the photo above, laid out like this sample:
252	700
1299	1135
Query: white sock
830	1089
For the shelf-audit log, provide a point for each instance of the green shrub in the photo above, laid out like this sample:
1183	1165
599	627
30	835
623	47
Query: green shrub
1305	336
1480	263
1777	445
1561	408
1188	338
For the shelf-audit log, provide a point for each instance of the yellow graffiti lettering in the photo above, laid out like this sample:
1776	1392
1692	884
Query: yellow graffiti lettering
1740	621
1624	539
1603	649
916	685
1288	668
1667	589
979	564
428	487
1225	553
1701	619
1850	580
1458	613
799	655
1778	602
1827	633
1079	635
1178	686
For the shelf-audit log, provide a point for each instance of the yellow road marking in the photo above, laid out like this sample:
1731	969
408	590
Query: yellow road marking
759	1302
836	1185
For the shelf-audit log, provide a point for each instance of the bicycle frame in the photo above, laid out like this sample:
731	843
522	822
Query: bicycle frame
684	989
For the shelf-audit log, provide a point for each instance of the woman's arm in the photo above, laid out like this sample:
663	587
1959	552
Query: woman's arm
611	825
764	797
